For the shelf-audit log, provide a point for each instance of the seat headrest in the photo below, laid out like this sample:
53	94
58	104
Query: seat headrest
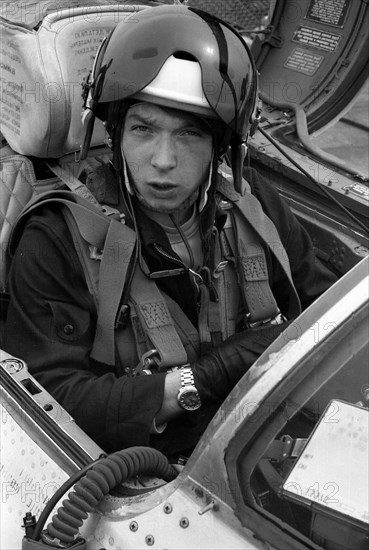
41	74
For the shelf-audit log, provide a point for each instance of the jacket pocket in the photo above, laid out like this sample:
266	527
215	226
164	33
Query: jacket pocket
69	322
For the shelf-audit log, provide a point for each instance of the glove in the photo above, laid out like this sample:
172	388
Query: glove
216	372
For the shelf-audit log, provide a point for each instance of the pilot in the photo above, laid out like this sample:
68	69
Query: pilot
203	267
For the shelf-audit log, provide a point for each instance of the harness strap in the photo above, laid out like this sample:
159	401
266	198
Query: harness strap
254	266
157	321
266	229
204	318
254	273
212	316
94	233
217	321
90	269
187	332
118	248
228	284
117	242
73	183
150	306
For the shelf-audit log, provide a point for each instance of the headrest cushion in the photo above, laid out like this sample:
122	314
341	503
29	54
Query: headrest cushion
41	75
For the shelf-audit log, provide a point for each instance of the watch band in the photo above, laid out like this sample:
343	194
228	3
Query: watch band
188	397
187	378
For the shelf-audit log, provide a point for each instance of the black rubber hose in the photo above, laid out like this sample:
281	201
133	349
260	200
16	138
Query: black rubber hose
98	482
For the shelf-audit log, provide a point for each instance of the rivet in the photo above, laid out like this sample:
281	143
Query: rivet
133	526
168	508
68	329
183	522
149	540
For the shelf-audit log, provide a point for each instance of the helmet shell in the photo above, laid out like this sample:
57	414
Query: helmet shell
130	63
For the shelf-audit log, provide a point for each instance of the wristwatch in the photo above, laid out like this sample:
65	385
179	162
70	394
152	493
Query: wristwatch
188	397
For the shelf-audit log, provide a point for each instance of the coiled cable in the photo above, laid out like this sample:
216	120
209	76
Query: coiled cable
103	476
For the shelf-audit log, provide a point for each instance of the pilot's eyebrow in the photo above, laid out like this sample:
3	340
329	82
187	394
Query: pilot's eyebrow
186	121
147	119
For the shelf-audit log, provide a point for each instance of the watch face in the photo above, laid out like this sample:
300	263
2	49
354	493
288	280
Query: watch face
189	398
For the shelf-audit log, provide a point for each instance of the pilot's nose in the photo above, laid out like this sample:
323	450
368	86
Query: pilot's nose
164	156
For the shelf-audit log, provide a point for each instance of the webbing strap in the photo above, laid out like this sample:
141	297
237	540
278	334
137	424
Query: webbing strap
119	245
157	321
117	242
255	268
73	183
203	321
187	332
259	297
90	269
94	233
153	312
217	313
266	229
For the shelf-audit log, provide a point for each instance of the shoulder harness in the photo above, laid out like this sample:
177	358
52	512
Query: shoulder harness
102	240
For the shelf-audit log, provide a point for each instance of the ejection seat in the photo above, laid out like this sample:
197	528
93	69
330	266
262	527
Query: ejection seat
40	108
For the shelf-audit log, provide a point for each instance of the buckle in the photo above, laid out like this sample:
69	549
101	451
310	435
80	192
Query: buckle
113	212
147	363
278	319
95	253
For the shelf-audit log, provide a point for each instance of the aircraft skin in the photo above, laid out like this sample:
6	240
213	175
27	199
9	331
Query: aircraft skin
223	497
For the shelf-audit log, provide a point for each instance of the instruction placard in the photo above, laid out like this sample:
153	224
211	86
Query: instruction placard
330	12
317	38
304	61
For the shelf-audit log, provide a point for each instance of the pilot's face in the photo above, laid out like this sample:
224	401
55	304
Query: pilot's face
168	154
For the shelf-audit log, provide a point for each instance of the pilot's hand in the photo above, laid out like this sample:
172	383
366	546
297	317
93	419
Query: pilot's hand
216	372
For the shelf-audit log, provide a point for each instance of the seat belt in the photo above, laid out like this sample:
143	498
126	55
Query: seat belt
149	303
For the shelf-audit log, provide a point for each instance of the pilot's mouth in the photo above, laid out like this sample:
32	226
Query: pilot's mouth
162	186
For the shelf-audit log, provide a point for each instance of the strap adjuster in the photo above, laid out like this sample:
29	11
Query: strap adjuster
147	363
278	319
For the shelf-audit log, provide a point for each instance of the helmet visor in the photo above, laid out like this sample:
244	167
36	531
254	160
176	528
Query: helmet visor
132	59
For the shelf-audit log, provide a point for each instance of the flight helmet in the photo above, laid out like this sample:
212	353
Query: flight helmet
181	57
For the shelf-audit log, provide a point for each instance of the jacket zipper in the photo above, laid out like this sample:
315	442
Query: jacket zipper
168	272
168	256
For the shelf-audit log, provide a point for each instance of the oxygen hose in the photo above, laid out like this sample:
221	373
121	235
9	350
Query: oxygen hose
103	476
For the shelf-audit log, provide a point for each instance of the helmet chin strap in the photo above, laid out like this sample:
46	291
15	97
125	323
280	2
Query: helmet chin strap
205	188
127	183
